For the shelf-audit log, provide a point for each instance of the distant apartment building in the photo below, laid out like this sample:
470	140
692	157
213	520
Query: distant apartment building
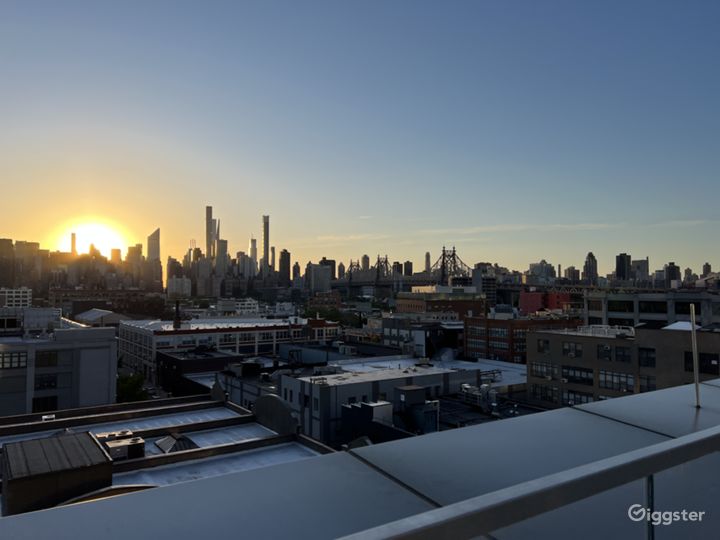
591	363
633	308
139	341
15	298
465	301
47	363
505	338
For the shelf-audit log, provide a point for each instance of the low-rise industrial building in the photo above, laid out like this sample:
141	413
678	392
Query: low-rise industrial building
139	341
591	363
49	363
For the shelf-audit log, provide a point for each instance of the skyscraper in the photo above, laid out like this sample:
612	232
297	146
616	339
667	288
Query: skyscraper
428	263
266	246
272	258
330	263
209	232
707	269
365	262
408	268
296	270
153	246
284	270
253	257
340	271
590	272
73	244
622	267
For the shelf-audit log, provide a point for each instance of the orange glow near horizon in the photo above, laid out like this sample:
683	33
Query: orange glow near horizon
103	236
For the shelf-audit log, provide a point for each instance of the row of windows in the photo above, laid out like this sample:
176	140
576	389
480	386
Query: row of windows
623	382
10	360
573	397
578	375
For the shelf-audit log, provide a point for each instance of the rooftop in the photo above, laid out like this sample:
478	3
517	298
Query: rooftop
419	477
211	324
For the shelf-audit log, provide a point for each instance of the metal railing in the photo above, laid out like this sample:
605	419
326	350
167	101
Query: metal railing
487	513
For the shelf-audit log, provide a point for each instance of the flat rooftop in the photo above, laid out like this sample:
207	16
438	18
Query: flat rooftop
216	437
511	373
209	324
343	493
134	424
382	374
196	469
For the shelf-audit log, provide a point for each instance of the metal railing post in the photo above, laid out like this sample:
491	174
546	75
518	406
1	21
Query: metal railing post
650	505
696	366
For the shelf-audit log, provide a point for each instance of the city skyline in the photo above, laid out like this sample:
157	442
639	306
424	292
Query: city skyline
84	231
542	132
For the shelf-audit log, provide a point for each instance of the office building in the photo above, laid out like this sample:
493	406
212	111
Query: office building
572	274
673	278
153	243
591	363
330	263
502	336
633	308
590	271
365	262
706	270
284	270
408	268
640	270
428	262
341	271
266	246
623	267
49	363
20	297
318	277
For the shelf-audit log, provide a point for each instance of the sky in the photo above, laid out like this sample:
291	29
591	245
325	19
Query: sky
513	130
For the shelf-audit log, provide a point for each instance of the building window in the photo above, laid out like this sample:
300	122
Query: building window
578	375
541	369
707	363
647	383
622	382
543	345
46	359
45	382
622	354
316	404
543	392
572	350
572	397
604	352
13	360
646	357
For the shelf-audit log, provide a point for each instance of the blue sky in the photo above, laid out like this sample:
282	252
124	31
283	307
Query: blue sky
513	130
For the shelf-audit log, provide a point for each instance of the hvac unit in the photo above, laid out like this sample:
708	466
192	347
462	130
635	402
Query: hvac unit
121	449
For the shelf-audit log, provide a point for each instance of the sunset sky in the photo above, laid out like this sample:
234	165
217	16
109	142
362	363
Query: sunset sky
513	130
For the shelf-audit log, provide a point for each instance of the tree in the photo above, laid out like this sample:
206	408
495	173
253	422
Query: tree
130	388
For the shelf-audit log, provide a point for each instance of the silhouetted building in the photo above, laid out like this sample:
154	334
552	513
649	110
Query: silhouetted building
590	271
284	270
622	267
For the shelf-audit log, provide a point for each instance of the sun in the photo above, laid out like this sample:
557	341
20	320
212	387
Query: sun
103	236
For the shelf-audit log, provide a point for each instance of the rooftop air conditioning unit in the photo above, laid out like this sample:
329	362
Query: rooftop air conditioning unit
121	449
